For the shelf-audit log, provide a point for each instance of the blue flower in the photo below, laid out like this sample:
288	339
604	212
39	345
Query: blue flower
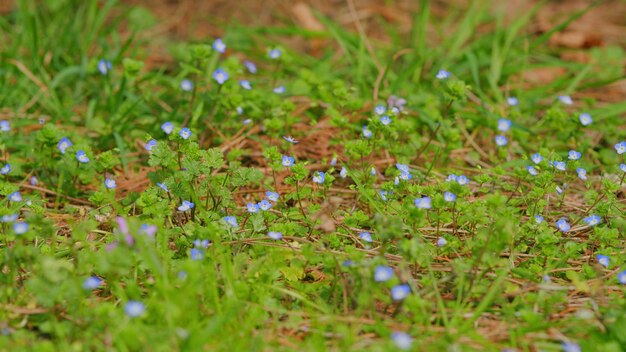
279	90
104	66
383	194
290	139
531	170
571	347
385	120
265	205
247	121
452	177
82	157
5	169
504	125
396	103
559	190
231	220
449	196
250	66
582	173
373	171
622	167
383	273
245	84
196	254
559	165
423	203
536	158
201	243
592	220
134	309
5	126
110	183
620	147
512	101
63	144
274	235
501	141
585	119
566	99
443	74
403	167
402	340
8	218
20	228
380	109
220	76
288	161
319	177
275	54
400	292
148	230
185	133
272	196
333	161
621	277
15	197
151	144
167	127
252	208
92	283
405	176
441	242
366	132
186	85
33	181
344	172
219	46
573	155
462	180
603	260
186	205
163	186
366	236
563	225
239	110
538	219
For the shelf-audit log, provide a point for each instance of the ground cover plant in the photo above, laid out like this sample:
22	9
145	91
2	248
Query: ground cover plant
414	194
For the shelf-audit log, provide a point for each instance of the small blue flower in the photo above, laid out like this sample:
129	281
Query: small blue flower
148	230
462	180
622	167
167	127
134	309
333	162
536	158
8	218
151	144
201	243
405	176
239	110
219	46
385	120
383	194
185	206
621	277
92	283
452	177
501	141
163	186
366	132
449	197
264	205
571	347
592	220
5	126
566	99
288	161
20	228
33	181
573	155
272	196
512	101
538	219
620	147
504	125
582	173
250	66
344	172
290	139
319	177
274	235
531	170
279	90
185	133
400	292
559	165
603	260
380	109
402	340
82	157
275	54
247	121
252	208
563	225
231	220
104	66
245	84
396	103
63	144
196	254
559	190
441	242
15	197
423	203
186	85
366	236
220	76
403	167
443	74
110	183
585	119
5	169
373	171
383	273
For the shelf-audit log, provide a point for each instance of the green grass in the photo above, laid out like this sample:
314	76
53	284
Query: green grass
501	280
